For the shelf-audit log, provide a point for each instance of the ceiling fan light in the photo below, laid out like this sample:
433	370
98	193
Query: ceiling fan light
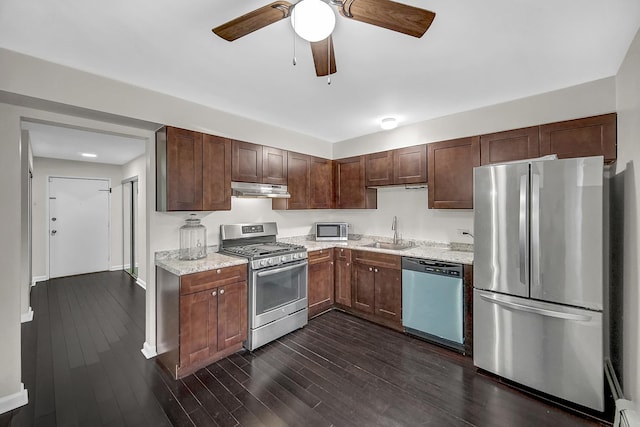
313	20
389	123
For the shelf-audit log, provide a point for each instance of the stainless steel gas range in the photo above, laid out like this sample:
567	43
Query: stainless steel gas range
277	280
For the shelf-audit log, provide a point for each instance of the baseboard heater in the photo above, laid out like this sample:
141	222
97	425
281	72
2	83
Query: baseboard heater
626	411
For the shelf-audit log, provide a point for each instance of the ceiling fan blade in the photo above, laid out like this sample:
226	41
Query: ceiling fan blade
322	51
388	14
253	21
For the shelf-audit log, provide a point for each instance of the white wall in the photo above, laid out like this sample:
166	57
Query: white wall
589	99
628	106
10	213
137	167
42	169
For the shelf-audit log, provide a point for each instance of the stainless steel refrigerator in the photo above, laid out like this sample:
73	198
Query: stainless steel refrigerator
538	276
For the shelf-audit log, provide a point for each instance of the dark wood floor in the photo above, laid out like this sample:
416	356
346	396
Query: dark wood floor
82	366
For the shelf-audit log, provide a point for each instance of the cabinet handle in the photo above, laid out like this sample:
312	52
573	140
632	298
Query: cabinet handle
218	271
214	293
347	264
376	270
320	250
221	291
370	269
331	262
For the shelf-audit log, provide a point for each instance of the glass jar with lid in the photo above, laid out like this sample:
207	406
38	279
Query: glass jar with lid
193	239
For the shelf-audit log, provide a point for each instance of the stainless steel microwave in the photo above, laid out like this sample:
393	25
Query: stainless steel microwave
332	231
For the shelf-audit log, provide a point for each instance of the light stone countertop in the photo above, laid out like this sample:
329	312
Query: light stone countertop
169	261
450	252
455	252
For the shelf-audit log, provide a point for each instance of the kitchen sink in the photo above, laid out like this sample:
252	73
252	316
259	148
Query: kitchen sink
392	246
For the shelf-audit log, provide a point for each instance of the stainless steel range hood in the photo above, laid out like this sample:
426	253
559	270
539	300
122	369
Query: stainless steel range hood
250	189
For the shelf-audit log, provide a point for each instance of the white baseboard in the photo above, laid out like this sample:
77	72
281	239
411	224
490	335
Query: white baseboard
27	317
149	351
15	400
141	283
116	268
37	279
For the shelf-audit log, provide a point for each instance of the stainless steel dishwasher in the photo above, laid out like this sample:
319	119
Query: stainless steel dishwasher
432	301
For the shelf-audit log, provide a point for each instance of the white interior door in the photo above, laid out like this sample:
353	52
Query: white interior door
78	226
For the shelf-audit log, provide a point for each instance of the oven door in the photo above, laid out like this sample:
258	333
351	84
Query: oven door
277	292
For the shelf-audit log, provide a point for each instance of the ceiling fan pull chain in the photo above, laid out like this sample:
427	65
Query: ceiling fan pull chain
294	41
329	60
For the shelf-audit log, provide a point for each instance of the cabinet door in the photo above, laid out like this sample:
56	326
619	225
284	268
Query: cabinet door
274	166
321	184
184	169
232	315
362	293
510	145
320	292
379	168
410	165
216	173
246	162
349	185
298	181
342	281
388	294
591	136
450	170
198	329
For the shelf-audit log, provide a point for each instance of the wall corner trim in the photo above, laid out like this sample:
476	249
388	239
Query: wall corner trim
141	283
149	351
15	400
37	279
27	317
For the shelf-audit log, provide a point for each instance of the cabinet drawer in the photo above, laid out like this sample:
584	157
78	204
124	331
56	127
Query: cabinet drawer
378	259
212	279
321	255
342	254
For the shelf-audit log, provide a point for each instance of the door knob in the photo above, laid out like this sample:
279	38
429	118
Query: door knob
53	232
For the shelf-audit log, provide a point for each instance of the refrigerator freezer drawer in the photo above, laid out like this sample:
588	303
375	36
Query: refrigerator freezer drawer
555	349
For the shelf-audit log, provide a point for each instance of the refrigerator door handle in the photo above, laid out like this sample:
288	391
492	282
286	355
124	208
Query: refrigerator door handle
535	310
522	229
535	231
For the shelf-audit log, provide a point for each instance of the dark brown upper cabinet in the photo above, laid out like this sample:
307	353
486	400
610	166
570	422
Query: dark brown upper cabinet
591	136
274	166
321	193
450	170
310	183
379	169
193	171
410	165
401	166
349	182
246	162
258	163
509	145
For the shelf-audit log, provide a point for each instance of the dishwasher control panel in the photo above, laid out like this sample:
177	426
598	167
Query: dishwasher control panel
432	267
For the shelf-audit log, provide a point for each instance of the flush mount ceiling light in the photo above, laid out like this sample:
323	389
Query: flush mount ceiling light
313	20
389	123
88	155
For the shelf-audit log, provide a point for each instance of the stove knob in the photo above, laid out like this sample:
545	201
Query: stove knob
270	261
294	256
263	263
283	259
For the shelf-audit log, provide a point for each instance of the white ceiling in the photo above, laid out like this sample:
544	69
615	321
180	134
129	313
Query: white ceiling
476	53
68	143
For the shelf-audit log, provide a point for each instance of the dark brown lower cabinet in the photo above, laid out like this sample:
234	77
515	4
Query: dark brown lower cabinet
202	317
377	287
342	278
320	290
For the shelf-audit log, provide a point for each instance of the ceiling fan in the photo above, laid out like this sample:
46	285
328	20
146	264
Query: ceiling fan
388	14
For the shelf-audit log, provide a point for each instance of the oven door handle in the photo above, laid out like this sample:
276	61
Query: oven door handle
281	269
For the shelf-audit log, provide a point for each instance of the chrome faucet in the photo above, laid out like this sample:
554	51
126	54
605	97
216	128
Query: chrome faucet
394	227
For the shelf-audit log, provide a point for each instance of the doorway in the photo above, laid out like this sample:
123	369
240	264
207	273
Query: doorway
130	226
78	226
